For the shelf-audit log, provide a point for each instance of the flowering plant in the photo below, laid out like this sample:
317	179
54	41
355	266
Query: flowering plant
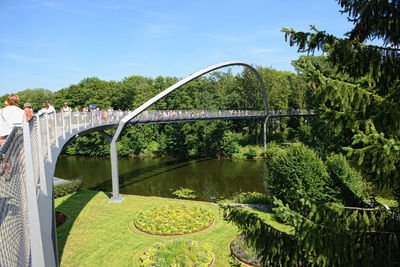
173	220
178	253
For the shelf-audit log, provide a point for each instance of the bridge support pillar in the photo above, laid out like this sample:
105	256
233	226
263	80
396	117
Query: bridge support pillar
116	198
265	132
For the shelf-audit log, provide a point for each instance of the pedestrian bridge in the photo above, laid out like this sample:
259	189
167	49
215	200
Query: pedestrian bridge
29	156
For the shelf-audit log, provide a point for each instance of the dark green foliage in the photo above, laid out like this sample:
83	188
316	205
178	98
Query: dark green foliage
331	235
231	143
91	145
272	150
251	152
249	198
348	182
360	95
298	169
356	93
325	235
275	247
88	91
67	188
34	96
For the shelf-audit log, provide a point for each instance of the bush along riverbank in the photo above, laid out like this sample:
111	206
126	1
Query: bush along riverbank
230	148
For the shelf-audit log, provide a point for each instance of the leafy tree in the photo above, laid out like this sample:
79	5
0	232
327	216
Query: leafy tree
88	91
34	96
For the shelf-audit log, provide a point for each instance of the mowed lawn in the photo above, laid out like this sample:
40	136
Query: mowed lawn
97	233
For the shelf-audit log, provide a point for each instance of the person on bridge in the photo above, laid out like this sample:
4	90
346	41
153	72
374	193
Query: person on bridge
28	111
67	110
45	109
51	108
10	116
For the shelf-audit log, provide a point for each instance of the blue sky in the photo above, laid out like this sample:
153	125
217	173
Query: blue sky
52	44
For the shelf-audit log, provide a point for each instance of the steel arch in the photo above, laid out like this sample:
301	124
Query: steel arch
113	145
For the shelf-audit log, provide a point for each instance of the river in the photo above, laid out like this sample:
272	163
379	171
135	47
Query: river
210	178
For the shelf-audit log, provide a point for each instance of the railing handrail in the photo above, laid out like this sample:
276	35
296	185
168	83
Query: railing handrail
159	113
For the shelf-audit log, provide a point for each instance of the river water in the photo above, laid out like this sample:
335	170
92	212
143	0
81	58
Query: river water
210	178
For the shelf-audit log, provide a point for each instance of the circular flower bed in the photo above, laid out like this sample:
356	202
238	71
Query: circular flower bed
244	253
178	253
173	220
60	218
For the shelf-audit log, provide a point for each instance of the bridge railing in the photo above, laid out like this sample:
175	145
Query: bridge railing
173	115
23	180
14	225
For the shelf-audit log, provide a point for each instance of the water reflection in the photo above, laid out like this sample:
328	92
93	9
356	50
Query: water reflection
160	177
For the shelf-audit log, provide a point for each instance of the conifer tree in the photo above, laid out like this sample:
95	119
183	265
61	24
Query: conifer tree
361	94
358	91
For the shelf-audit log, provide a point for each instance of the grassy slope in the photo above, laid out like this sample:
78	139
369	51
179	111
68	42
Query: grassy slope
100	234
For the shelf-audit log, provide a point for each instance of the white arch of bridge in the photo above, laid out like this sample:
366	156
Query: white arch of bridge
116	198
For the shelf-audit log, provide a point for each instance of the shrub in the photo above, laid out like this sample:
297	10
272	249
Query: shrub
249	198
187	193
272	149
297	171
348	182
173	220
178	253
231	143
61	190
151	149
250	152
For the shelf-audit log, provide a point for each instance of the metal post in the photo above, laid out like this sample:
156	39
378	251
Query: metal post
63	124
42	174
116	198
77	119
265	132
49	157
56	128
37	250
70	122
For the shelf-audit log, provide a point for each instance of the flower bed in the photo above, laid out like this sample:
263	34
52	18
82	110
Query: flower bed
173	220
60	218
244	253
178	253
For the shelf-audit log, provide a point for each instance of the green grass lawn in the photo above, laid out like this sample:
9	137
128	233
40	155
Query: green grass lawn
97	233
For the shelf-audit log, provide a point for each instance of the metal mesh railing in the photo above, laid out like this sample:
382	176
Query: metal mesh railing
59	118
35	148
43	133
51	126
14	227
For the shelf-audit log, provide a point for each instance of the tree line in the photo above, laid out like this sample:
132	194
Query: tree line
216	91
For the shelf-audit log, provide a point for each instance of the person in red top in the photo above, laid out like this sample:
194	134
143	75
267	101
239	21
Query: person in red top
28	111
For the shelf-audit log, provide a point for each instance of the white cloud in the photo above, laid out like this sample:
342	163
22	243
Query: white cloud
22	58
261	51
223	37
132	64
155	30
41	3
